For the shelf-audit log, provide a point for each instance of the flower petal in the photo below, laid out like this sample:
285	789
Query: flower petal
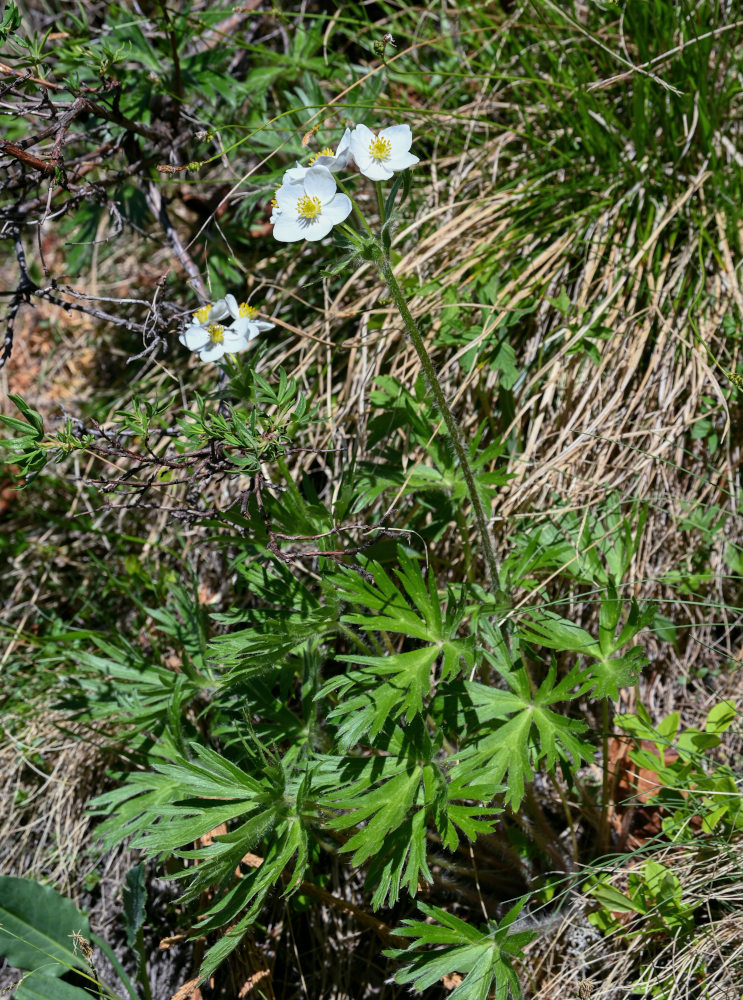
288	230
338	208
294	175
401	161
232	306
287	197
375	170
220	311
239	328
212	352
361	137
399	136
343	152
320	183
194	337
237	342
320	227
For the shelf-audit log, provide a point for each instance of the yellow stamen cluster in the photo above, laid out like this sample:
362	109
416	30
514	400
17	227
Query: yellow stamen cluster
380	148
216	333
245	310
202	315
274	203
309	207
323	152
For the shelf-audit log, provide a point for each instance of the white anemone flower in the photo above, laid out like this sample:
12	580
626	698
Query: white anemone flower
334	161
208	335
244	322
378	157
337	160
307	209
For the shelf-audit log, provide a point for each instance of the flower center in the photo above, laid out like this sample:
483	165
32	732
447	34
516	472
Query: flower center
323	152
202	315
245	310
216	333
380	148
309	207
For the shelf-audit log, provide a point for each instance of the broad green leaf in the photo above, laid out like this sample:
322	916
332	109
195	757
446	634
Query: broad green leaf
720	717
529	734
614	900
36	927
40	985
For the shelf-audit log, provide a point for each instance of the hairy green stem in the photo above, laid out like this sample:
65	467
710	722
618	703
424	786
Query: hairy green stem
380	202
603	837
385	269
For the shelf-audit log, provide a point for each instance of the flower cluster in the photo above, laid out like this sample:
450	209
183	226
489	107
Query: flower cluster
224	327
306	207
308	203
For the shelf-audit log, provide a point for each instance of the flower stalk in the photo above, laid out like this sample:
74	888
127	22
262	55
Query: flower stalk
384	267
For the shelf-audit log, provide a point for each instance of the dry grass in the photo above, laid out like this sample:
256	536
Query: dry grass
711	967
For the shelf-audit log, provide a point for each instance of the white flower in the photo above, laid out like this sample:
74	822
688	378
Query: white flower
307	209
334	161
378	157
337	160
209	335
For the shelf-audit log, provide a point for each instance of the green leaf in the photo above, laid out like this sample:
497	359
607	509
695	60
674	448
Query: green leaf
40	985
664	628
720	717
36	927
562	303
530	733
134	898
548	629
11	20
617	672
32	416
483	957
614	900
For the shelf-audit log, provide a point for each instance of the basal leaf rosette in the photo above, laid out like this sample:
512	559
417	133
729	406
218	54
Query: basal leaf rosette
308	208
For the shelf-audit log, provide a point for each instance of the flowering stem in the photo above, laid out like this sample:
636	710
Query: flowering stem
380	202
385	269
357	210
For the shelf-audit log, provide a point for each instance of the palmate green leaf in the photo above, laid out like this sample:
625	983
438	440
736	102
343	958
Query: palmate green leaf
390	800
516	731
611	669
483	957
290	619
180	800
399	684
238	908
385	798
124	684
384	807
617	672
393	603
404	695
